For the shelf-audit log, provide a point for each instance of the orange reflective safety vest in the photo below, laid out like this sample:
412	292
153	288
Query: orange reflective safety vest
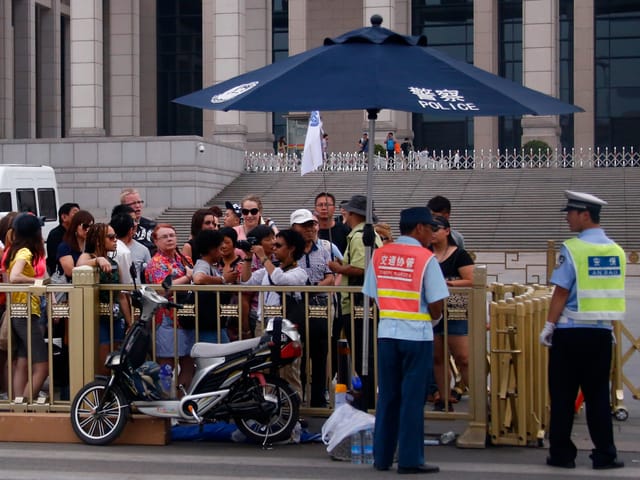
400	270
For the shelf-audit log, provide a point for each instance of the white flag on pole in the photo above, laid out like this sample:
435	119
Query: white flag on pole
312	154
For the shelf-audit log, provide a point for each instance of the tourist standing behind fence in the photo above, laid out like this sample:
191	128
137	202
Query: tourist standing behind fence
588	297
168	261
457	267
407	283
314	261
27	250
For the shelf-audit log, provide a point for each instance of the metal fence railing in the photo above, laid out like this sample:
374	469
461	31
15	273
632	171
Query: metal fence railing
454	160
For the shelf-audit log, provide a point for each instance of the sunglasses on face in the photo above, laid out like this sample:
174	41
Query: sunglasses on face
111	236
252	211
435	228
86	226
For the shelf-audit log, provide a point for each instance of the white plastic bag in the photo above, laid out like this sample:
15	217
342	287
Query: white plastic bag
344	422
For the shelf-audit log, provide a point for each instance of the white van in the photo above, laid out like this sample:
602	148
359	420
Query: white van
30	188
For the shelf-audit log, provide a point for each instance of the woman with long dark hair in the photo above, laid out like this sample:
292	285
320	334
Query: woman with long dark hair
202	219
100	248
457	268
73	241
27	250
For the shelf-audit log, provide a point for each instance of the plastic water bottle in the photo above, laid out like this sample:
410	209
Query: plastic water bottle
356	448
341	394
367	447
166	377
447	438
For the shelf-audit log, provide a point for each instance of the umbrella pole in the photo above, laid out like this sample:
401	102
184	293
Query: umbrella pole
373	115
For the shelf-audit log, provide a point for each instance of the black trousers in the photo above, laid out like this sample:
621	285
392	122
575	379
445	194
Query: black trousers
580	358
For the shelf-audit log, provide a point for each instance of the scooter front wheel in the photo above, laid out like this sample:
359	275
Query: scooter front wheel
98	419
279	426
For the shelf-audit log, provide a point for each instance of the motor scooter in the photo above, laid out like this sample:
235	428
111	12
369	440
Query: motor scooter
234	381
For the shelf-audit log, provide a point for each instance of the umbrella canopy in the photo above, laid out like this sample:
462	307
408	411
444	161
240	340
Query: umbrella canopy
374	68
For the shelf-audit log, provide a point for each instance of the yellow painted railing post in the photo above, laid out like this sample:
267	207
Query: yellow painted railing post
551	258
476	433
83	327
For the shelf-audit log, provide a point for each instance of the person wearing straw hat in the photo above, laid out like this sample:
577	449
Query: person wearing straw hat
588	297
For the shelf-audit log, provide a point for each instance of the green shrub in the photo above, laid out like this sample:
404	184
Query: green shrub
536	145
379	150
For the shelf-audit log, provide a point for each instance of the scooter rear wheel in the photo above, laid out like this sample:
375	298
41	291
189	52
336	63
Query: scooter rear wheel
279	427
99	427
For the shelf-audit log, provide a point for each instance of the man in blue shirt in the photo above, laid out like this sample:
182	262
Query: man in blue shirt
407	283
588	297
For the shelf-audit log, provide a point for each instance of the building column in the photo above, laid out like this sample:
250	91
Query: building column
87	83
485	56
148	69
24	31
6	70
540	60
258	46
49	76
583	74
124	67
224	53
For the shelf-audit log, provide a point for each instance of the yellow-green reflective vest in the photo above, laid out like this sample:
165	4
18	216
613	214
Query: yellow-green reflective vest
600	270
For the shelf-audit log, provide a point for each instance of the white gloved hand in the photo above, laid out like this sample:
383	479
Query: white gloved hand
547	333
436	321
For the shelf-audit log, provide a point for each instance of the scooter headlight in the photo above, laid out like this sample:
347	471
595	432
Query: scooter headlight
113	360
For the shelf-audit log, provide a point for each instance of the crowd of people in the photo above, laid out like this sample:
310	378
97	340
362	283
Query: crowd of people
236	245
409	279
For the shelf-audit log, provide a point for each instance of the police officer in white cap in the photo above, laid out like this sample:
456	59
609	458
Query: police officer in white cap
588	297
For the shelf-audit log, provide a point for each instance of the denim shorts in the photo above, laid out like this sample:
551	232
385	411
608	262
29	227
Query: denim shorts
454	327
119	330
165	340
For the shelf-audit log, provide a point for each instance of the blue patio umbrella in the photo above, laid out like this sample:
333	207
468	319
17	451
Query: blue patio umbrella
374	68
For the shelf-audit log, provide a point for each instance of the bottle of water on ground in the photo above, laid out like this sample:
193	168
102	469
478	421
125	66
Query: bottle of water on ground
367	447
166	377
341	395
356	448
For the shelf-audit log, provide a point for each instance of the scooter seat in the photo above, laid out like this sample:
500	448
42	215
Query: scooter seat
206	350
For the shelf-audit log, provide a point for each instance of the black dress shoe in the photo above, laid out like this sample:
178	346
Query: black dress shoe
561	463
426	468
615	463
380	467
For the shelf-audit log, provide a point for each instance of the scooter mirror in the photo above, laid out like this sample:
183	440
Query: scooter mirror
167	282
133	272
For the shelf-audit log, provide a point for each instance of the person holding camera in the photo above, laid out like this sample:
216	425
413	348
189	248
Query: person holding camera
288	248
264	237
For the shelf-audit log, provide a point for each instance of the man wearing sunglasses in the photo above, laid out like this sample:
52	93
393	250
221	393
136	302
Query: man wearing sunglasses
131	198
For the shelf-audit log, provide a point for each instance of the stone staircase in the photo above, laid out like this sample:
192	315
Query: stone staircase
515	209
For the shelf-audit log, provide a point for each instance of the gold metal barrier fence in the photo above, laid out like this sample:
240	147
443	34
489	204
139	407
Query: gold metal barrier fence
81	310
518	363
